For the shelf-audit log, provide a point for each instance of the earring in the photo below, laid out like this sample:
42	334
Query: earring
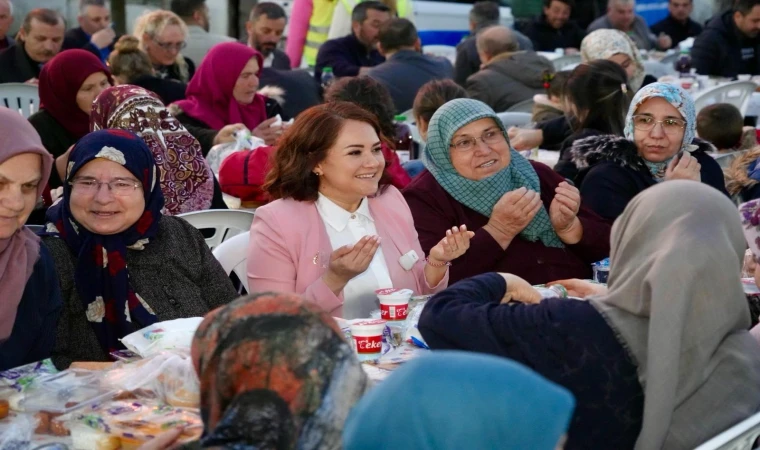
317	174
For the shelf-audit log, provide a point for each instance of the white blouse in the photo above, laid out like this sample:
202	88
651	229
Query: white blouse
345	228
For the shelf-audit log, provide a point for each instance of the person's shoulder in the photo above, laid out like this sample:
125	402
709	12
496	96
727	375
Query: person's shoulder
174	231
58	250
284	207
425	186
546	173
74	34
598	23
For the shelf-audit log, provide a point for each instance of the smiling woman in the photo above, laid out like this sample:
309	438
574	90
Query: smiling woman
659	145
122	265
31	299
527	219
353	233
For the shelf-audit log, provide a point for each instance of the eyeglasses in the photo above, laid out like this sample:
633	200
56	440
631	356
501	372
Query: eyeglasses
118	187
172	46
647	123
489	137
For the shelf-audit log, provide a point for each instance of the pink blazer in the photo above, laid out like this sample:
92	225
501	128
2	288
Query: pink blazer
288	236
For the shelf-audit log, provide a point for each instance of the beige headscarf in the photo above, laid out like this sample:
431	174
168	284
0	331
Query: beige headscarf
676	301
603	44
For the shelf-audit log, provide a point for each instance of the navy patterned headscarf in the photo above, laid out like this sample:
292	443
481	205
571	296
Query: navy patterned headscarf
114	310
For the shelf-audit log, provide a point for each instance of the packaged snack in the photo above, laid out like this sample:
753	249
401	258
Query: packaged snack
169	335
18	434
169	377
134	423
65	391
19	378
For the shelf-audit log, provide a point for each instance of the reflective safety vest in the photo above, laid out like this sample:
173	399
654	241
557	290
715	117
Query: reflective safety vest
403	7
319	26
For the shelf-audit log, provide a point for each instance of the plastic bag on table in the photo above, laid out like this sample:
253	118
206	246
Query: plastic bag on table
244	140
169	335
167	377
412	334
122	424
65	391
18	433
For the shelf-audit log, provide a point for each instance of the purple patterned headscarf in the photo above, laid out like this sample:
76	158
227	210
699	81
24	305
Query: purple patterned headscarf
185	177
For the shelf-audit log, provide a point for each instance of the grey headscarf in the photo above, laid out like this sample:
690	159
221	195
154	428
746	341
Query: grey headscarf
676	301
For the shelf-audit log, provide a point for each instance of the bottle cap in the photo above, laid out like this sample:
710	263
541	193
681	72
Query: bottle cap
326	69
399	118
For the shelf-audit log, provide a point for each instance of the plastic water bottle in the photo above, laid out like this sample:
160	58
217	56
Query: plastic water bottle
327	77
683	63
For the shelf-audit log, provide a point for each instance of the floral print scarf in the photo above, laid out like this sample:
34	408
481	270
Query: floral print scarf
185	177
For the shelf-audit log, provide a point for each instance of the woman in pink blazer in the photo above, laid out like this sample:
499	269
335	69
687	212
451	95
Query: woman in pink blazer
337	230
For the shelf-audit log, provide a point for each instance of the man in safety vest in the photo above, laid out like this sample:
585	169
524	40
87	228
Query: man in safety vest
356	53
309	25
341	19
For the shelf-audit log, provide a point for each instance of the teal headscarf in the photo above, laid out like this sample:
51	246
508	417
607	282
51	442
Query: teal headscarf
481	196
452	400
682	101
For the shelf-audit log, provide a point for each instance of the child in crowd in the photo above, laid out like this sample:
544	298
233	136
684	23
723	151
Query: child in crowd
550	105
722	125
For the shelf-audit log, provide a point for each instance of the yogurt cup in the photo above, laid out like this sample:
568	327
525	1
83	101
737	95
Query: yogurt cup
394	303
367	338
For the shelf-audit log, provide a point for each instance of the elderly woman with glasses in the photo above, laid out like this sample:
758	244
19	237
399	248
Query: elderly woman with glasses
659	145
162	36
527	220
121	264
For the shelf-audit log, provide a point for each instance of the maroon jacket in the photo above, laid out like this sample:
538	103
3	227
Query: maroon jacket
435	211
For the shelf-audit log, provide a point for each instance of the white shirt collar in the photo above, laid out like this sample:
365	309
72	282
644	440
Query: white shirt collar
337	217
269	60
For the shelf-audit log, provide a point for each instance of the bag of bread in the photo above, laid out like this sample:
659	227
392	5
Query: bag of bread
168	377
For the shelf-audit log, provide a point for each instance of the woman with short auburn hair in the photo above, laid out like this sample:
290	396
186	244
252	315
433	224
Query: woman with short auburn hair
337	231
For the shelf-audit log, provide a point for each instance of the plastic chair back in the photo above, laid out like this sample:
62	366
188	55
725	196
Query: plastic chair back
24	98
218	225
741	436
232	254
525	106
736	93
564	61
514	119
446	51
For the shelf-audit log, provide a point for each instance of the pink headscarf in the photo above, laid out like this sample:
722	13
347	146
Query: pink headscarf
209	94
18	253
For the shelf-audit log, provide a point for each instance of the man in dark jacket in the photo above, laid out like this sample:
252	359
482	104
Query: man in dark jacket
484	14
265	27
509	75
406	69
356	53
6	19
553	29
729	45
40	38
94	33
678	25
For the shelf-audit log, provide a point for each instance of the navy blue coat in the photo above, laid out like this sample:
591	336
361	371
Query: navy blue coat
33	335
566	341
345	56
404	73
611	172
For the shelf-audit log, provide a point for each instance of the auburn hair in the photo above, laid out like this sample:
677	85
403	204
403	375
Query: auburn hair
306	143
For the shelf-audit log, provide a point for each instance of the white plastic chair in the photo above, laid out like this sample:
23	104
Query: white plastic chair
225	223
670	58
739	437
24	98
564	61
447	51
232	254
736	93
525	106
514	119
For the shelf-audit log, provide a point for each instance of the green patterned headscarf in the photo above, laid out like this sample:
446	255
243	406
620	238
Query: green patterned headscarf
481	196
